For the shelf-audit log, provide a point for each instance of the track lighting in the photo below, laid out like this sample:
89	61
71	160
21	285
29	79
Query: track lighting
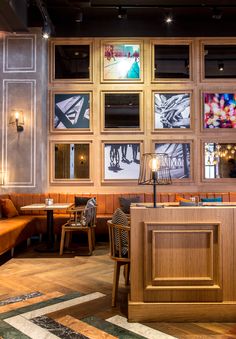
221	66
216	13
79	16
169	18
122	13
46	30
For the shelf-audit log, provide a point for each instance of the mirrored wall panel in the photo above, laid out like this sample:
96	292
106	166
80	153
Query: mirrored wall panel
220	160
72	61
171	61
71	161
122	110
220	61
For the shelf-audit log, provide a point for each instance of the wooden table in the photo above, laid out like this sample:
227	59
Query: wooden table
50	229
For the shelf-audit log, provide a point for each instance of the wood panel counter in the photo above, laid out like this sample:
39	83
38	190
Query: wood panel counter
183	264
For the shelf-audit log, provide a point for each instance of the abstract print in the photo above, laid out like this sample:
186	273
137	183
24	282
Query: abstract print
71	111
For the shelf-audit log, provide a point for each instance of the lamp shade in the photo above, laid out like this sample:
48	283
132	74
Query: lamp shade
154	169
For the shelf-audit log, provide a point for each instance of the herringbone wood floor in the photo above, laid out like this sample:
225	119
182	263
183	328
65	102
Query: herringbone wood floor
30	271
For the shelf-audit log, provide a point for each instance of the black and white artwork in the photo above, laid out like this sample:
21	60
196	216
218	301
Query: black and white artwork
179	158
172	110
71	111
121	161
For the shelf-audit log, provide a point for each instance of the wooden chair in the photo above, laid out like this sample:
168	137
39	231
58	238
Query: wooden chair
82	219
120	253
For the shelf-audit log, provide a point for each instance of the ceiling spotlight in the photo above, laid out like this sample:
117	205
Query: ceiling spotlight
216	13
46	30
168	19
79	16
221	66
122	13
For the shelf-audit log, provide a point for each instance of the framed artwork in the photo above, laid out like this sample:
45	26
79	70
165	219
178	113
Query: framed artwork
121	161
71	61
219	160
172	60
122	111
71	111
70	162
172	110
179	154
122	61
219	110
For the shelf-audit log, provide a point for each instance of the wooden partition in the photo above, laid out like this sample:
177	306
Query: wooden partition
183	264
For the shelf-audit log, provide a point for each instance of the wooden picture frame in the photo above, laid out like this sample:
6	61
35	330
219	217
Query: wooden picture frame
186	65
218	163
71	111
77	59
70	172
121	161
122	112
218	110
122	61
223	43
173	111
180	153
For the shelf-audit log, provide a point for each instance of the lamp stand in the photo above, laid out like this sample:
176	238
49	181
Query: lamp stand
154	176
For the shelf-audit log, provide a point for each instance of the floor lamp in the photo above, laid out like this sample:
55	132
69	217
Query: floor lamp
154	170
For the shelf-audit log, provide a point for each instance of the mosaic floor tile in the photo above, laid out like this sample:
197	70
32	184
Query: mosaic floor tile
138	328
20	298
36	300
58	329
110	328
84	328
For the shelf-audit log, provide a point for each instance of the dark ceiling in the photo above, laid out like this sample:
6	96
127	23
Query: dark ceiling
144	17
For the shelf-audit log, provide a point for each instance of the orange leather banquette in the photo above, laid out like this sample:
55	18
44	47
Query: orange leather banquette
17	229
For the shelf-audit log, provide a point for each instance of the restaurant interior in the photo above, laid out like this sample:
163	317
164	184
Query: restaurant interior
118	167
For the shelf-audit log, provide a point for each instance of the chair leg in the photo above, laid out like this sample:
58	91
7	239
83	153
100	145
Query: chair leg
116	277
93	238
90	241
68	238
126	273
62	240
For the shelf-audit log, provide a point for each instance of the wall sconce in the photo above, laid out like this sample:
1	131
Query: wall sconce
17	119
82	159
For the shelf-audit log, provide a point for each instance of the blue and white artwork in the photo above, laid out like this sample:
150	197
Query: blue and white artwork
122	161
72	111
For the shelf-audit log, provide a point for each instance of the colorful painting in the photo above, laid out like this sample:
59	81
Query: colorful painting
121	61
121	161
179	158
219	110
71	111
172	110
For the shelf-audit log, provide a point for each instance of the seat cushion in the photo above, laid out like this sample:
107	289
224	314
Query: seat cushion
8	208
126	202
218	199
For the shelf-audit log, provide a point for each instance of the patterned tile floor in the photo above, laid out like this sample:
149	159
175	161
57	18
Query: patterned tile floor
49	316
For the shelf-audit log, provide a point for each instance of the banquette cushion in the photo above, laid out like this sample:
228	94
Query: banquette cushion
126	202
8	208
217	199
178	198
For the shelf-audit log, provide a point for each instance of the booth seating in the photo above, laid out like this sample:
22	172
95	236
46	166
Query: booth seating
20	228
